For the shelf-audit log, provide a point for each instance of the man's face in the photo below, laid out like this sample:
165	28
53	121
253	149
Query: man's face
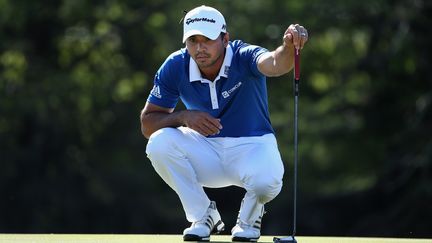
204	51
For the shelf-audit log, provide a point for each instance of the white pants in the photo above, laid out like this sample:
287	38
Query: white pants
187	161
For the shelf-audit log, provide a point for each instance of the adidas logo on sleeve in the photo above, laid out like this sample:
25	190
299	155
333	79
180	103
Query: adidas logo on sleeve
156	92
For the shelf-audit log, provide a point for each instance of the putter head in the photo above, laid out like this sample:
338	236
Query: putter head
289	239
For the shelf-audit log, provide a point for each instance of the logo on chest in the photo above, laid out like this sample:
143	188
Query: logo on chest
227	93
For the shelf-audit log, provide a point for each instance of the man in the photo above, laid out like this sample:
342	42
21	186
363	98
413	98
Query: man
224	137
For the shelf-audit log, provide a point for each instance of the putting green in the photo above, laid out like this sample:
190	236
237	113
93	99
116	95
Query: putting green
84	238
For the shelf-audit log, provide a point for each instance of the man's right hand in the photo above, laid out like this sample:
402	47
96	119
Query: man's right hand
154	117
201	122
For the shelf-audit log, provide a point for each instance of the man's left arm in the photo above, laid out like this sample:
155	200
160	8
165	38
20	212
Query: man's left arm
281	60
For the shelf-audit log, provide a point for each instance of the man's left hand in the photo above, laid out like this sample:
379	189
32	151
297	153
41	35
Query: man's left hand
295	35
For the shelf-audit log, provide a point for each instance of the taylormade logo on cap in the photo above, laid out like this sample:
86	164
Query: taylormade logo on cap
188	21
203	20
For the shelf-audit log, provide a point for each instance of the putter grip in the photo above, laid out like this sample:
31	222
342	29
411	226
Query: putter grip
296	64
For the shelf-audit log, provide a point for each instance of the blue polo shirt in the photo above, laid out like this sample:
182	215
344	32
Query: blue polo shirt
238	96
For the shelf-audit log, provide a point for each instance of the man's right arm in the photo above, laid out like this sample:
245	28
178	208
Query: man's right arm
154	117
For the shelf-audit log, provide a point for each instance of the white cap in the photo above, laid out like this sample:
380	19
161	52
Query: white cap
203	20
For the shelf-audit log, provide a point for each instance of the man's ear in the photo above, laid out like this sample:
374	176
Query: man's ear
226	39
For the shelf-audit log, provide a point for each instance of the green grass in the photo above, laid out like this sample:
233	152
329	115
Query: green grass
84	238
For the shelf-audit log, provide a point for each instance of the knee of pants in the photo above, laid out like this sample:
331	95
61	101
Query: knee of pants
160	142
266	188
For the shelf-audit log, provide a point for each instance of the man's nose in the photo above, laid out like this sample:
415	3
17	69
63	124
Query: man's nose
200	46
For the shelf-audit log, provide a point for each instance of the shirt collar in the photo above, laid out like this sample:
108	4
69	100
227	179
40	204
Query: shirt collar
195	74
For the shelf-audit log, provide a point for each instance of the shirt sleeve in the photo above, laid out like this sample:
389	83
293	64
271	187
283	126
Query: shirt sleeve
165	92
252	54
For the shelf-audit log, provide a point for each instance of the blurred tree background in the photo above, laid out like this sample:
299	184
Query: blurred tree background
74	75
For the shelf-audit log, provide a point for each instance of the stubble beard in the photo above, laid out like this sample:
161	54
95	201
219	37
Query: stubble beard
210	63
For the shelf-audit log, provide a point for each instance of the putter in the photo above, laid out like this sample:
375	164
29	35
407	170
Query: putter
291	239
